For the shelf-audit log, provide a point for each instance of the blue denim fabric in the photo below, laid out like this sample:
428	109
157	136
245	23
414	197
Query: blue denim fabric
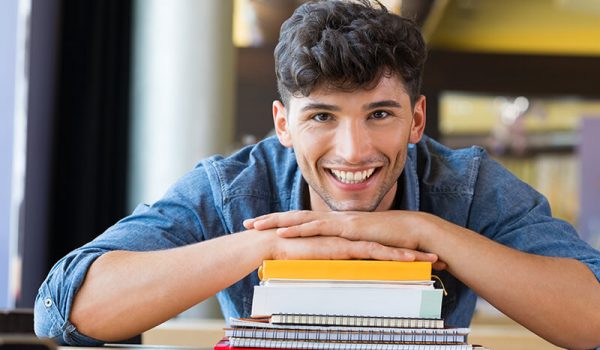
464	186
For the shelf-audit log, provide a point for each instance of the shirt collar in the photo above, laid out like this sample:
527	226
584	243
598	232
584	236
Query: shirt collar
299	193
408	183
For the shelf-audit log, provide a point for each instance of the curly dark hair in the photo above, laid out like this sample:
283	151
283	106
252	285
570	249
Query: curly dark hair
347	45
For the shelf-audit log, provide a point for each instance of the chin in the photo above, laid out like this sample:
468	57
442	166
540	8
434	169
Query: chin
346	206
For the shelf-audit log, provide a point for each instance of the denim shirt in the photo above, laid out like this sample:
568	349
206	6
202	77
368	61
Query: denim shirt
465	187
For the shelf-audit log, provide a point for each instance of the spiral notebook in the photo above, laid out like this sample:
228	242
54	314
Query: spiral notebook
267	344
263	334
354	321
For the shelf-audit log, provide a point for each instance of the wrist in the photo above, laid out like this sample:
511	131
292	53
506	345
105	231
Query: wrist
428	231
265	241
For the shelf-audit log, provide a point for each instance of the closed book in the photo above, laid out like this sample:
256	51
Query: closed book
224	344
373	301
349	336
311	344
347	283
244	328
345	270
418	325
354	321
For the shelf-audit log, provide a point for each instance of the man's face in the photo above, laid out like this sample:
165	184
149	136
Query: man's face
351	146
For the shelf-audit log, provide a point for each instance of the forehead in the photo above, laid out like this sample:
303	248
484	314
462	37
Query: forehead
387	88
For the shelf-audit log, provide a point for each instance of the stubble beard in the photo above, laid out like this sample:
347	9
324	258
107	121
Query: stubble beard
343	205
346	205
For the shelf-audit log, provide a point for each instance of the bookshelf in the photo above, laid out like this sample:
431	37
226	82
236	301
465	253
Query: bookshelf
536	140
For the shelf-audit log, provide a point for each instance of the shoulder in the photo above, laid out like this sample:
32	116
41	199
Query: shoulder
256	180
466	186
442	169
469	171
492	199
261	170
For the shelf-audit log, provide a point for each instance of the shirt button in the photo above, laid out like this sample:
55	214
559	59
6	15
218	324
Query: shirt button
48	302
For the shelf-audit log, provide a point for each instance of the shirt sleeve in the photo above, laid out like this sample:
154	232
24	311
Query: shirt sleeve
181	217
511	212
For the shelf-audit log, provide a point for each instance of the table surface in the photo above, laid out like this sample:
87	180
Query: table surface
134	347
493	332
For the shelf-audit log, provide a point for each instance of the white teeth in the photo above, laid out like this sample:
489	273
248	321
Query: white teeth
349	177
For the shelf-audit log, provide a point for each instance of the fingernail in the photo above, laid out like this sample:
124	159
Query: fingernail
410	256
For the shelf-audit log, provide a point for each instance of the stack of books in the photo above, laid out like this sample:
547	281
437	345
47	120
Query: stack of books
344	304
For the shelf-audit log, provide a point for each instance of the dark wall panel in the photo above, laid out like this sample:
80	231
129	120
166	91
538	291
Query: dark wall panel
91	122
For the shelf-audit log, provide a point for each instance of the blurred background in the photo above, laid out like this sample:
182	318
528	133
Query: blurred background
105	103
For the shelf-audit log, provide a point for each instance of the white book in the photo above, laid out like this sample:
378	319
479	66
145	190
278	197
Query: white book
358	301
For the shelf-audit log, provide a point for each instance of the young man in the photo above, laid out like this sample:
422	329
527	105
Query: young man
349	175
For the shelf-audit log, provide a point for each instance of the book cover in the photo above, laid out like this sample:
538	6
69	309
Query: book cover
345	270
352	321
259	330
348	283
423	326
224	344
311	344
358	301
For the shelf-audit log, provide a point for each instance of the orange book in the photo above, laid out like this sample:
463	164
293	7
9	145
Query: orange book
350	270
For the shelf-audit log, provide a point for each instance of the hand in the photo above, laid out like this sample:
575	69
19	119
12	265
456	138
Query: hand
336	248
391	228
397	229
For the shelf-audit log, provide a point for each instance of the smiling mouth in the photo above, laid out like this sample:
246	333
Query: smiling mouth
352	177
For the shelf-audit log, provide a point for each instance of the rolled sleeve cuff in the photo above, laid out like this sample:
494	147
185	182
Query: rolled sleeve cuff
55	298
49	322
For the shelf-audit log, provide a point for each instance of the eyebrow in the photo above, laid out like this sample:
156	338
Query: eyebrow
379	104
322	106
328	107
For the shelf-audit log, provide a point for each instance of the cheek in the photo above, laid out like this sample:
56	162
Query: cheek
392	145
310	146
309	154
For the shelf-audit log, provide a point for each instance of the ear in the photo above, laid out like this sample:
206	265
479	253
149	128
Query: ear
418	123
281	124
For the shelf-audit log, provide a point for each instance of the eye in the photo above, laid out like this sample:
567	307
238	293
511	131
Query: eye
322	117
379	115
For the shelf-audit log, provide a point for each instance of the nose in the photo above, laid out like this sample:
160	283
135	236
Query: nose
352	142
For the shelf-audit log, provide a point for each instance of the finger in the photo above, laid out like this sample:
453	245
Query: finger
376	251
335	248
421	256
249	223
330	224
284	219
439	265
311	228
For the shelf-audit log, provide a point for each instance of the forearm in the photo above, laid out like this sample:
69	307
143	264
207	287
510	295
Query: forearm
556	298
126	293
